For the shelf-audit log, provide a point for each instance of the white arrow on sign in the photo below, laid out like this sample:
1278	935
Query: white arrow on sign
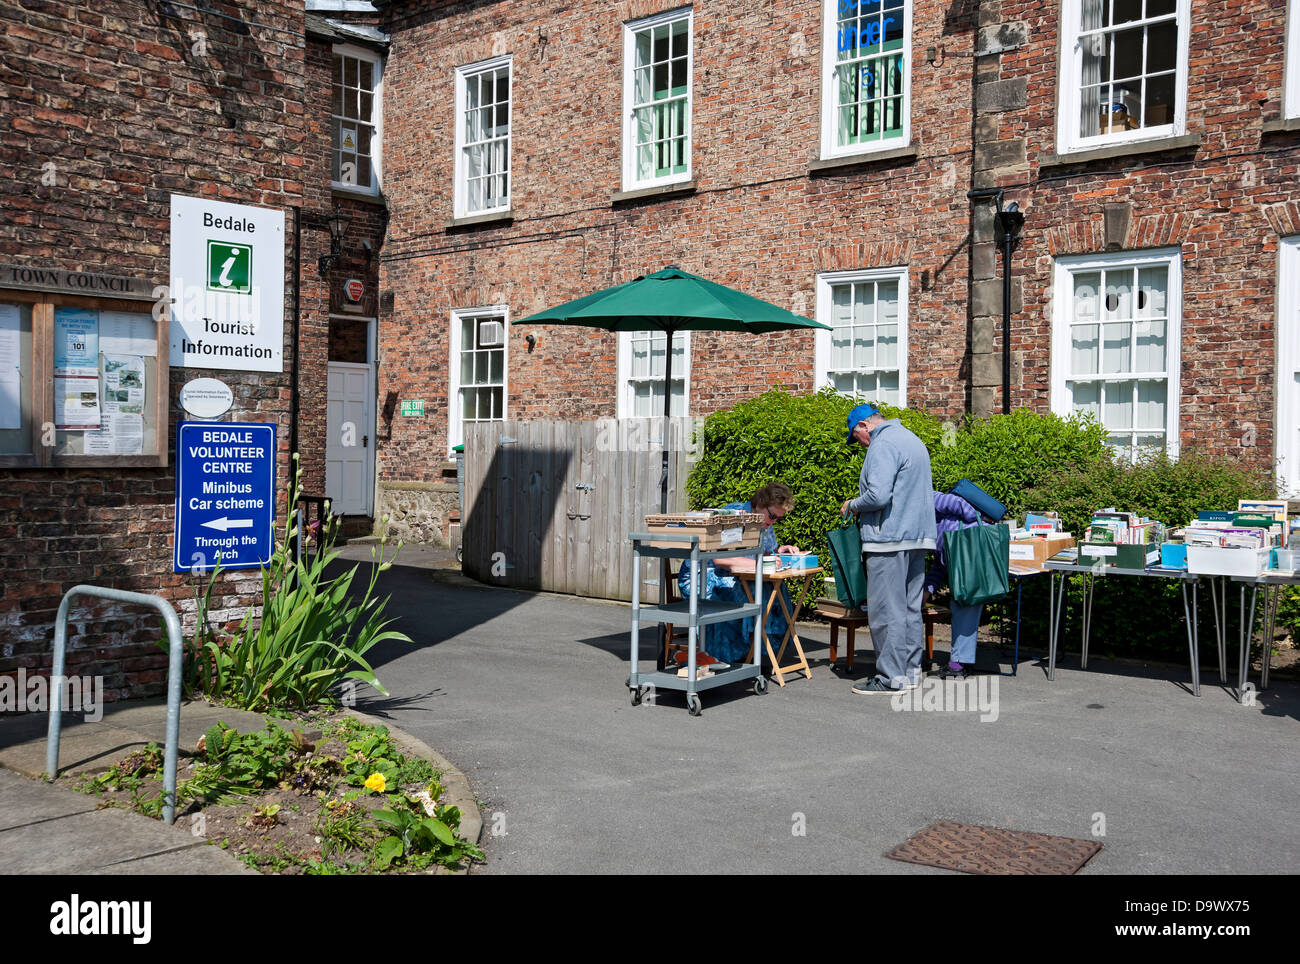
223	524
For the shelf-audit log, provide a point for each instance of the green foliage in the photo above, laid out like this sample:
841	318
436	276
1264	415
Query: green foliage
234	765
1169	491
311	631
1029	460
802	441
416	840
1007	455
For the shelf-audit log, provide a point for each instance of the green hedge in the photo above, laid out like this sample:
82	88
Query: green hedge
1029	460
801	440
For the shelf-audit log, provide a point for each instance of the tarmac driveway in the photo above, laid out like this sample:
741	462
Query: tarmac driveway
526	694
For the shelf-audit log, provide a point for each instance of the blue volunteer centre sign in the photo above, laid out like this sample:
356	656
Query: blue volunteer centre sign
225	495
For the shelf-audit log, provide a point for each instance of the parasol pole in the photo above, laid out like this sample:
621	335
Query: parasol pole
663	480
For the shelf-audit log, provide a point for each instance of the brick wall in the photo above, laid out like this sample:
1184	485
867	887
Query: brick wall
759	219
129	104
1223	201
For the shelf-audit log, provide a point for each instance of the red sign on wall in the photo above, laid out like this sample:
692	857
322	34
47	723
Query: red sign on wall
354	289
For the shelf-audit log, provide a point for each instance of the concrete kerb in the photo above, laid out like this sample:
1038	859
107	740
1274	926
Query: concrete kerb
456	789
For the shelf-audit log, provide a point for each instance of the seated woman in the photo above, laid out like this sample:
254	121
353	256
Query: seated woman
729	642
953	512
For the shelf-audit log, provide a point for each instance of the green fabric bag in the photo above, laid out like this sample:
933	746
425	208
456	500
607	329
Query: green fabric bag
846	562
978	563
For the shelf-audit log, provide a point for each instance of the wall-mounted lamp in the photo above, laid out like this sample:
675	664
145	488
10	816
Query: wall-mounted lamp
336	222
1008	223
934	56
532	342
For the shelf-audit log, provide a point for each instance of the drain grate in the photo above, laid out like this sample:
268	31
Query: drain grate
973	849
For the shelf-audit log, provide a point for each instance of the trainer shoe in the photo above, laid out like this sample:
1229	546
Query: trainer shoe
873	685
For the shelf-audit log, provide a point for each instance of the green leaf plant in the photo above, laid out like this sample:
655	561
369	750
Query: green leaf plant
313	631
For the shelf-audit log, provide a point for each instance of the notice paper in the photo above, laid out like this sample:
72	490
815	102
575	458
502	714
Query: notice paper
76	402
121	333
76	342
11	402
122	428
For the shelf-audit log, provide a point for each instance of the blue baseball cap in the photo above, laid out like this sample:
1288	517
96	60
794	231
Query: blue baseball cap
860	413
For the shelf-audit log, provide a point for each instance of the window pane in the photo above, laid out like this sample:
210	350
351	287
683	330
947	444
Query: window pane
1159	108
466	367
1087	398
1117	405
1150	354
842	382
887	346
1151	405
864	348
1162	46
1153	286
1119	291
1150	443
366	107
1085	295
888	390
864	304
366	72
1115	348
1126	11
1084	349
497	367
481	368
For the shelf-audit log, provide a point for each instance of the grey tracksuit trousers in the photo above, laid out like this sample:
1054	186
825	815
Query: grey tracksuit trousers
895	581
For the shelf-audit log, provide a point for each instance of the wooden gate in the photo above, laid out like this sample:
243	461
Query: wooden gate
549	505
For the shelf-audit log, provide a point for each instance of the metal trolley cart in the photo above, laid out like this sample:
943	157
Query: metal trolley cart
692	613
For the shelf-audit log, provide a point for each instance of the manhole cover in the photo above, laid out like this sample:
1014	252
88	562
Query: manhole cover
990	850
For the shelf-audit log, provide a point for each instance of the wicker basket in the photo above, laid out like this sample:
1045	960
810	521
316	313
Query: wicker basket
718	532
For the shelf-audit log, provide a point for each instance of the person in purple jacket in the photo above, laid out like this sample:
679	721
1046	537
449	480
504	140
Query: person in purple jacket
953	512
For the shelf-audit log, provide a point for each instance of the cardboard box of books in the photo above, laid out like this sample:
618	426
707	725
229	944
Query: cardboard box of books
1033	552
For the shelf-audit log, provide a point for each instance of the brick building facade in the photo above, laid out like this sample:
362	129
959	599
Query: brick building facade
106	111
815	153
765	206
1148	175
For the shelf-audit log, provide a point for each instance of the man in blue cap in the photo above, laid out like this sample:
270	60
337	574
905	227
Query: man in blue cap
895	510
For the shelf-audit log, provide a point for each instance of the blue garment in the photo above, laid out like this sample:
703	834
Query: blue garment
953	512
730	641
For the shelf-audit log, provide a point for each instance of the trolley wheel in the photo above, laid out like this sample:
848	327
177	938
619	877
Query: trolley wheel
634	694
693	704
760	686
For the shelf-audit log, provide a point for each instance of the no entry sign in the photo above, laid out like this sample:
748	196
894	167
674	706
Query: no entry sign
225	495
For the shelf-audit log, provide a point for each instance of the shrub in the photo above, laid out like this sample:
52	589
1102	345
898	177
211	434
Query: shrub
1008	455
801	441
1139	617
1157	486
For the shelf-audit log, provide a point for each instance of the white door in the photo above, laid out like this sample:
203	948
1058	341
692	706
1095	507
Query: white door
1288	368
350	441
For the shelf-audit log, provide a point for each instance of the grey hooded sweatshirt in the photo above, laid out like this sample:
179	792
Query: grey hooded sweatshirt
895	503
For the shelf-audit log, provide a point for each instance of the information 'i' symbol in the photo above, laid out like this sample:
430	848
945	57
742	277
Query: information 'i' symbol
224	280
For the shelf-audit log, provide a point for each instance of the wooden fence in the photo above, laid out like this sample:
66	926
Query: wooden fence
549	505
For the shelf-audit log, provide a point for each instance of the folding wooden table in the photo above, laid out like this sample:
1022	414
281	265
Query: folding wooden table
799	594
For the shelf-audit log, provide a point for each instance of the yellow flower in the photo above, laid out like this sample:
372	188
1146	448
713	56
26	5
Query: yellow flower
376	782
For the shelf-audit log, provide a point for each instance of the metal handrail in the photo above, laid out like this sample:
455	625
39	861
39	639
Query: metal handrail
175	657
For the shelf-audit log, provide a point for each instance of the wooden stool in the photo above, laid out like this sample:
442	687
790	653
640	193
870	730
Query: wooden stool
838	614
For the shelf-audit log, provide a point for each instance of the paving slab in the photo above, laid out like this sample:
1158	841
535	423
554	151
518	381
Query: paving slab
201	859
83	842
85	748
24	801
